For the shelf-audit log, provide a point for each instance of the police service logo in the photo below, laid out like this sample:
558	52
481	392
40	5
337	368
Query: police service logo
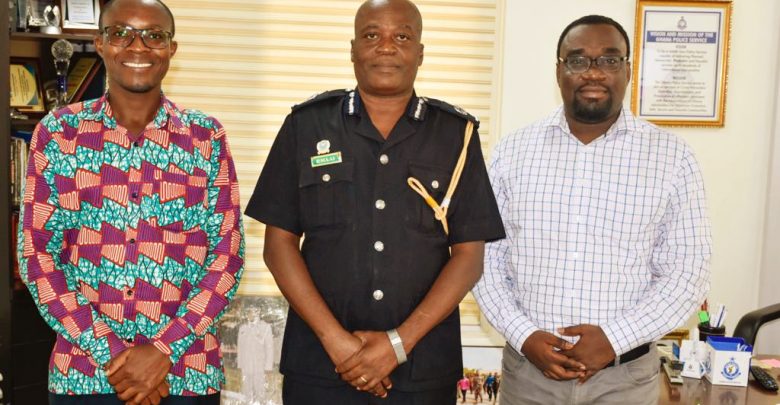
682	24
731	370
323	147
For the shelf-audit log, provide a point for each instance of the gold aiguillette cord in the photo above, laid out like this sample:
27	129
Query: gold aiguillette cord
440	210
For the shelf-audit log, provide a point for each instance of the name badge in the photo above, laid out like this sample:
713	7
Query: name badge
326	159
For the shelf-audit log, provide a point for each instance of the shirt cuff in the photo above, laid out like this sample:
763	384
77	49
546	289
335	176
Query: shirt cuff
520	331
174	339
101	343
618	337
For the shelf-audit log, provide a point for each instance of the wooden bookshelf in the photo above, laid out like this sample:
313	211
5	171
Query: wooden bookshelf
38	36
5	211
25	339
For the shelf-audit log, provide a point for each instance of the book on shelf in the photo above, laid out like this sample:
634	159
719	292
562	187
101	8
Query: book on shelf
20	148
16	277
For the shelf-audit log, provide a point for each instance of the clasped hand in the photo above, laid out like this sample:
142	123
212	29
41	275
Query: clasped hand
138	375
559	359
370	363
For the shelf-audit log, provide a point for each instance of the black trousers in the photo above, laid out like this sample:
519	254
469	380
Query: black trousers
299	393
111	399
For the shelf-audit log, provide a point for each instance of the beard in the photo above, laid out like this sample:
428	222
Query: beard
139	88
591	113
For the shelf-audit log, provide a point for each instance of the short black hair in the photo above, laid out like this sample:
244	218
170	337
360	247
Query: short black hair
106	7
593	20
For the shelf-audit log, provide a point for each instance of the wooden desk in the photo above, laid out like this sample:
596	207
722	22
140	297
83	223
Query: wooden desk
701	392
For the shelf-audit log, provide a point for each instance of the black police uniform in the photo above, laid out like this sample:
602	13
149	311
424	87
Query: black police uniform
372	245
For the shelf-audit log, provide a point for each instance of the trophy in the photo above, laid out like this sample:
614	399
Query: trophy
61	50
51	16
32	15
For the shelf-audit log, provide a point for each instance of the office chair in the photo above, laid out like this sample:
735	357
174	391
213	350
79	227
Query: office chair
748	325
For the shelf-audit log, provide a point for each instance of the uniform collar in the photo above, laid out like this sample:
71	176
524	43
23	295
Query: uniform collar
167	113
416	109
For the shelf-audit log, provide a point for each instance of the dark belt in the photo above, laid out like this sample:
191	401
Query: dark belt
631	355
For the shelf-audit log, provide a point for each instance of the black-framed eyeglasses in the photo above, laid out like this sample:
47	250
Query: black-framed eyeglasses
581	64
122	36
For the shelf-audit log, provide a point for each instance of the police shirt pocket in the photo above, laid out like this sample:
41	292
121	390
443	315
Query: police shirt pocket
326	195
435	180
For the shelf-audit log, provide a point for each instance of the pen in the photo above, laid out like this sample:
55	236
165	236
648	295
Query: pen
722	319
718	316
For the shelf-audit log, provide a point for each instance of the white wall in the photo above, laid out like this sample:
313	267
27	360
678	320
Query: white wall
769	283
735	159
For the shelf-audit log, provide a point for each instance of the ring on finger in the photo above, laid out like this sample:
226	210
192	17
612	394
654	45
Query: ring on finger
363	379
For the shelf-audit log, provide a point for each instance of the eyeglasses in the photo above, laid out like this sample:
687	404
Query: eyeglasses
122	36
581	64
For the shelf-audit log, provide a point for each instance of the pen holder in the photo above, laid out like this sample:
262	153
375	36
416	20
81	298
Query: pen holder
706	330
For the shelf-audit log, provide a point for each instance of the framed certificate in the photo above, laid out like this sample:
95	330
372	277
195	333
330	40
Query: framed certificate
681	62
26	91
80	15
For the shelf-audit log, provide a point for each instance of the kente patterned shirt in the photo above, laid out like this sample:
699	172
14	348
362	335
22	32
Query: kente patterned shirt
131	240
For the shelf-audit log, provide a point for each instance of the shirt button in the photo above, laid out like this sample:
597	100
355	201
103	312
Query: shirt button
129	340
129	293
326	177
132	241
378	295
379	204
379	246
435	184
135	195
383	159
136	143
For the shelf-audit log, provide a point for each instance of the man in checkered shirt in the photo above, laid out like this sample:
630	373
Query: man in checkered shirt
608	240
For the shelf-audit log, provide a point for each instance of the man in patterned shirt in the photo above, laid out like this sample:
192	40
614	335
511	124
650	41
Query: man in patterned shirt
131	238
608	241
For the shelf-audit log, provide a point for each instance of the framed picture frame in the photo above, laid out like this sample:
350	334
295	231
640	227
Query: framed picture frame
680	64
26	90
82	72
80	16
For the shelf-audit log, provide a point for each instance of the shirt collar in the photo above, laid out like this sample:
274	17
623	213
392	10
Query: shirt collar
416	109
626	123
168	111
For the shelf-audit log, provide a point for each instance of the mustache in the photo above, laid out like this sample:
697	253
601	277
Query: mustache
591	86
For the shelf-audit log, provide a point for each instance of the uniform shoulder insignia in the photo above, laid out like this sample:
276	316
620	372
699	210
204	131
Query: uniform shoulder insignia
321	96
452	109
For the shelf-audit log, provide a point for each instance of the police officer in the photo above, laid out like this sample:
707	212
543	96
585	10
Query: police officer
374	288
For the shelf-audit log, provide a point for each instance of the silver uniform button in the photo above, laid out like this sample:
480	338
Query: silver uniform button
378	295
383	159
326	177
380	204
435	184
379	246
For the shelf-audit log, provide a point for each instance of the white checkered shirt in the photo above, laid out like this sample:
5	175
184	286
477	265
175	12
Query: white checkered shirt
614	233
